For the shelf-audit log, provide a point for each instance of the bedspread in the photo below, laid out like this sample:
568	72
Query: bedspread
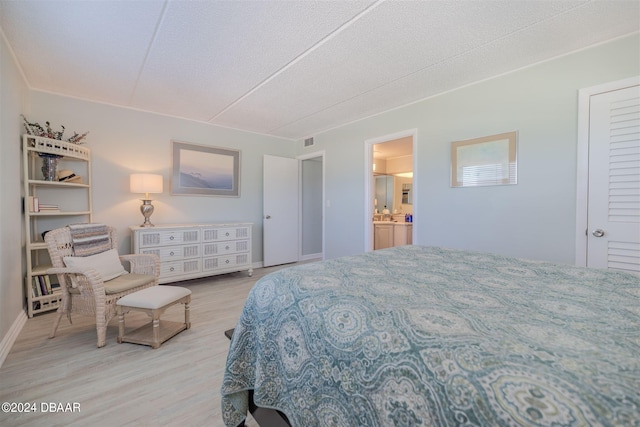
425	336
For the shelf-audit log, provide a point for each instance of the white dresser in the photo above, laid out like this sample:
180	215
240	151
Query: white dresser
189	251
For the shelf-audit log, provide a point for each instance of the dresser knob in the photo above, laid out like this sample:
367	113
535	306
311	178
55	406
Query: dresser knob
171	253
171	238
171	269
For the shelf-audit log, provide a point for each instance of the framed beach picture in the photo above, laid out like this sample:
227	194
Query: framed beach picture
490	160
205	171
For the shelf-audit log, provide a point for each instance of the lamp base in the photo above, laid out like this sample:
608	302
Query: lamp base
147	209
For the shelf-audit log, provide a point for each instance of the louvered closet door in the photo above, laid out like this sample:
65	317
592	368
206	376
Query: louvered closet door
614	180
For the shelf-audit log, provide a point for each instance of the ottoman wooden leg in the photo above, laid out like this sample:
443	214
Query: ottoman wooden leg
156	330
120	324
187	313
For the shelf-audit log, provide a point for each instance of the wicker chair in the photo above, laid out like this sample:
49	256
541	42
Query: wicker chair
84	291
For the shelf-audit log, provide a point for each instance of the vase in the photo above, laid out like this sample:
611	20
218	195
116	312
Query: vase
49	166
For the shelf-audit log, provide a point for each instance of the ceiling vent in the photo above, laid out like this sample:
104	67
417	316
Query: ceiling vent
308	142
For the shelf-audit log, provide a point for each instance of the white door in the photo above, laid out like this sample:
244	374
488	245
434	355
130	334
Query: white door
613	234
280	210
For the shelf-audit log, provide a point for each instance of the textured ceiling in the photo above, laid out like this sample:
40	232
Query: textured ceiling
291	68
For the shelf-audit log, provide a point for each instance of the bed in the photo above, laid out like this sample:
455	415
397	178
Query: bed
428	336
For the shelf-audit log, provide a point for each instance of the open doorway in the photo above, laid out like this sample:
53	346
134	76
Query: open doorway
390	190
311	206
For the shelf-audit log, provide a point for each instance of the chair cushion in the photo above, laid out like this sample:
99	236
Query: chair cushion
106	263
127	281
123	283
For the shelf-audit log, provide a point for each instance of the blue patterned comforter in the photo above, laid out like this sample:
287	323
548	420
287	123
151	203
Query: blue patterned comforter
420	336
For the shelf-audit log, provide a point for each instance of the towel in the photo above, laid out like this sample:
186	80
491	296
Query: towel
89	239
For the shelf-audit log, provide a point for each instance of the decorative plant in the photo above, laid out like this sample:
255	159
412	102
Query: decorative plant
37	130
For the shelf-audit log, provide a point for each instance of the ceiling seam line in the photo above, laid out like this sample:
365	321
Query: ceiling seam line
443	61
327	129
146	55
282	69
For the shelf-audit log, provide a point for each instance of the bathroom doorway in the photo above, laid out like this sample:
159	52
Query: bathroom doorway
390	184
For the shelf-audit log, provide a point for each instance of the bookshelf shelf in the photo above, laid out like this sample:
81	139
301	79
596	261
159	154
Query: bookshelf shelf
73	199
56	184
59	213
40	270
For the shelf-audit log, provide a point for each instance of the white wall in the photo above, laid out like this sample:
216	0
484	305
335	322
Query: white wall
13	101
124	141
533	219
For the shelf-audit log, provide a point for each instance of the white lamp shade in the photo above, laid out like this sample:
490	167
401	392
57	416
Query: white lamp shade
145	183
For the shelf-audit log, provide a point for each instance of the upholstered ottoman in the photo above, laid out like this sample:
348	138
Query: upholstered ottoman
153	301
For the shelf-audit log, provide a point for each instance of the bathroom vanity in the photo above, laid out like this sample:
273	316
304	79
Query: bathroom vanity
388	233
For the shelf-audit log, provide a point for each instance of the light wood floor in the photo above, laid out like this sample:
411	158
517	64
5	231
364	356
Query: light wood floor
128	384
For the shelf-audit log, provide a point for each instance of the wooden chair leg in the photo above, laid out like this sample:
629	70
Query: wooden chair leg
56	323
102	336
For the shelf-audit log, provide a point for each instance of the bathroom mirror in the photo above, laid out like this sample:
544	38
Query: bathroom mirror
406	194
384	192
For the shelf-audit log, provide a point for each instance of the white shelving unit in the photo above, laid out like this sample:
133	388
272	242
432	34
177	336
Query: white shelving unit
75	206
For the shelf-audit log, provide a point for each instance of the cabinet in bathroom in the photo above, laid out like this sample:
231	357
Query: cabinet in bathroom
387	234
382	236
402	233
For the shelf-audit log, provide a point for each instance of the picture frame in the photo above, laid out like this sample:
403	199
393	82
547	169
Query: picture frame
489	160
203	170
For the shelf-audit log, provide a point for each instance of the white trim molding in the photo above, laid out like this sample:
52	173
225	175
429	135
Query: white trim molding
12	335
582	181
300	158
368	183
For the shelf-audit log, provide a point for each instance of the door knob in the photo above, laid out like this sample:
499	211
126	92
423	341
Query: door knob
268	217
598	233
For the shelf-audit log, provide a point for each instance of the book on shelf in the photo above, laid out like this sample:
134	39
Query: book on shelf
47	284
43	285
34	205
55	288
48	208
35	287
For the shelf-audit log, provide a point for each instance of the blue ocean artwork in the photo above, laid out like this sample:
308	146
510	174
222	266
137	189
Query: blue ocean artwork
206	170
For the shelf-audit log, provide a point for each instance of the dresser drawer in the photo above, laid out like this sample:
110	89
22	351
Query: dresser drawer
178	268
168	237
216	234
225	248
223	262
171	253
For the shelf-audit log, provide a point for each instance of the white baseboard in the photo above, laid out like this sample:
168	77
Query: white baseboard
311	256
12	335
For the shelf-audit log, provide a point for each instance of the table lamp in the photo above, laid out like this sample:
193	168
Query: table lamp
146	183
